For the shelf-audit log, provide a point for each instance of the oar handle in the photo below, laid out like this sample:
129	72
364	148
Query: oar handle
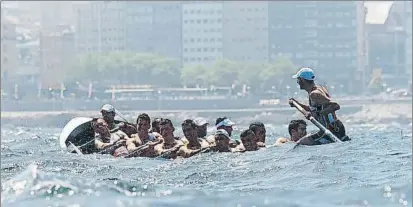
316	123
140	148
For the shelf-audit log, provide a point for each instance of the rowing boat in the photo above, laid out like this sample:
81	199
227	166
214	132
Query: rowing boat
78	135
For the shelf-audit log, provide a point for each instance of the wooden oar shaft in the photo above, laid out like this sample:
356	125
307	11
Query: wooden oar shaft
316	123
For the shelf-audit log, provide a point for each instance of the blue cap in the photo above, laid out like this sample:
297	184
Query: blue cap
305	73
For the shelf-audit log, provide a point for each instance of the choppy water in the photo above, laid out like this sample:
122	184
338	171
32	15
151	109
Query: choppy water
375	169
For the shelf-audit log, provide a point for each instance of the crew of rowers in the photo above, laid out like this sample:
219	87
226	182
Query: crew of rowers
157	139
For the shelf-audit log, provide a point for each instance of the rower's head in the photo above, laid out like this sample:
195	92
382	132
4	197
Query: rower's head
166	128
305	78
100	126
222	139
225	124
202	126
259	130
155	125
297	129
248	139
189	129
143	122
108	113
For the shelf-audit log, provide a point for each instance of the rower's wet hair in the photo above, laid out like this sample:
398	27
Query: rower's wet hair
166	122
219	119
247	132
189	122
294	125
255	125
144	116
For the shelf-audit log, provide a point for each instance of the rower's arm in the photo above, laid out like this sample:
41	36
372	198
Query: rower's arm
321	99
133	142
101	145
261	144
158	149
185	152
305	107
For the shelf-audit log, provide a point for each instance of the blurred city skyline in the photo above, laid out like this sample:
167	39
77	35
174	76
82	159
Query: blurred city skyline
345	42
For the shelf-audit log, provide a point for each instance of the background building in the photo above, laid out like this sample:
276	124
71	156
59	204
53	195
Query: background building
245	31
57	52
202	32
321	35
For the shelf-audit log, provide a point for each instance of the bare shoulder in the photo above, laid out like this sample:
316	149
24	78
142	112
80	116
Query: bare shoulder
204	143
211	139
319	97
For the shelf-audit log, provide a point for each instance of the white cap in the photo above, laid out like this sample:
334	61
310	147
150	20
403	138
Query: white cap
199	121
108	108
225	122
222	132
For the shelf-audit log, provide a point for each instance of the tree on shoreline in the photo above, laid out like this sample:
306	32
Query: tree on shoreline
152	69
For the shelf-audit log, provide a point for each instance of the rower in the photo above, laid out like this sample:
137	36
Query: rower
144	137
222	140
321	107
171	144
260	132
108	114
202	127
195	144
155	125
109	143
249	140
297	129
225	124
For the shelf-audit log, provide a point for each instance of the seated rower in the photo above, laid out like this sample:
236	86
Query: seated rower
226	124
249	141
109	143
260	132
222	142
194	144
143	137
202	127
169	148
297	129
155	126
108	114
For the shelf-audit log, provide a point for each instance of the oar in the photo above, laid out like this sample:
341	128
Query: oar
140	148
76	149
316	123
169	151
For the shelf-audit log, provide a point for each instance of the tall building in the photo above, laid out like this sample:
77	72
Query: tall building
389	40
9	62
245	31
57	53
56	13
146	27
202	32
100	27
154	27
321	35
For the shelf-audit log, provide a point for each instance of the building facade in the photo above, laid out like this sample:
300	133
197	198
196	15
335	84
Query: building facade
9	53
245	31
202	32
100	27
322	35
57	53
154	27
